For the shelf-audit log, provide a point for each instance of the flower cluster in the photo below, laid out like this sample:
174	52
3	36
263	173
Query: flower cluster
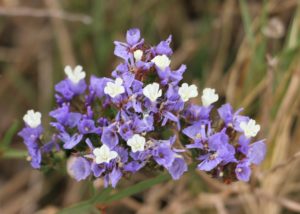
141	118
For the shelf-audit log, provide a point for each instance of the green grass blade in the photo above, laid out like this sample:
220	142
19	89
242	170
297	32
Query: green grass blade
247	21
13	153
82	207
7	139
105	197
139	187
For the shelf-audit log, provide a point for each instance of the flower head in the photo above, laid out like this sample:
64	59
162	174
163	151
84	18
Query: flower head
161	61
32	119
137	143
104	154
152	91
186	92
75	75
143	97
114	89
209	97
250	128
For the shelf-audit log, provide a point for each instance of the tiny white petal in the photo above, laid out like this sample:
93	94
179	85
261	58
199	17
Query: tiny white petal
152	91
97	151
161	61
114	89
250	129
32	119
75	75
186	92
138	54
209	97
137	143
119	81
104	154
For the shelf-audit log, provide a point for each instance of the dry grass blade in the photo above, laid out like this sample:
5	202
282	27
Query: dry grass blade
285	202
227	20
42	13
295	157
62	34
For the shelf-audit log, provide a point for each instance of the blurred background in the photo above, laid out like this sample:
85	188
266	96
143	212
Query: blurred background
247	49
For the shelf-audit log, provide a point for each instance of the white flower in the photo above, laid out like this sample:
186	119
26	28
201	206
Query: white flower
32	119
104	154
74	75
209	96
152	91
161	61
137	54
250	129
186	92
137	143
113	89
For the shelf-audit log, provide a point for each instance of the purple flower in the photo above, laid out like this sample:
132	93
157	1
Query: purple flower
122	68
123	50
133	36
195	113
64	117
97	169
64	89
170	116
232	118
134	126
126	131
114	177
49	146
98	85
220	151
243	144
243	171
198	132
70	141
164	47
79	168
30	137
139	160
172	77
177	168
257	152
35	155
87	126
109	136
164	156
68	89
134	166
254	152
